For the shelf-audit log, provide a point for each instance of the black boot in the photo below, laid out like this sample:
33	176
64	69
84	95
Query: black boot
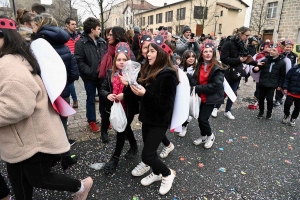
111	166
269	114
104	137
68	160
131	152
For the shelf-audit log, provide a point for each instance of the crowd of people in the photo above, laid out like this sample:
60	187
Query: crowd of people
33	136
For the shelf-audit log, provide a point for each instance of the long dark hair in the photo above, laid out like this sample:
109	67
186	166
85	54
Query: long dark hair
119	34
149	72
185	56
15	44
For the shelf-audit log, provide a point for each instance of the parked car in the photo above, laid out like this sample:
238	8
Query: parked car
297	51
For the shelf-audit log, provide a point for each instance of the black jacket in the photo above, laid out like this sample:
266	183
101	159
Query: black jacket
89	56
252	49
135	44
214	89
292	56
274	77
158	101
230	55
292	80
57	37
131	101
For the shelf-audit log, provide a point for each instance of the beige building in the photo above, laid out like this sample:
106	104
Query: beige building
278	19
230	15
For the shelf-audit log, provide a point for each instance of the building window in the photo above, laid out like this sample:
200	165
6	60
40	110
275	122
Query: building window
131	20
143	21
200	12
151	30
170	29
169	16
126	20
150	19
180	13
272	9
221	13
159	18
179	29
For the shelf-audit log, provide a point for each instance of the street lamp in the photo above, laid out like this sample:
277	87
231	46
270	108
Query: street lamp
216	20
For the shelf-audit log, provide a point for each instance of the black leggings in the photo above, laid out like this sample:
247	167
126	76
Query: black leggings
36	172
266	93
4	191
287	106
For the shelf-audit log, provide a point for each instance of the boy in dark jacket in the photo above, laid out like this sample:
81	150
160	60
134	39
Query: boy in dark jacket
291	87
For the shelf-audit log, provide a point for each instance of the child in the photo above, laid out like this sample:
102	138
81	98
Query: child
158	80
291	87
112	90
271	77
208	81
188	66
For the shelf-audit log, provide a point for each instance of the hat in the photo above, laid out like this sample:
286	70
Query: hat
145	36
185	29
123	47
160	39
6	23
288	41
136	29
276	46
208	44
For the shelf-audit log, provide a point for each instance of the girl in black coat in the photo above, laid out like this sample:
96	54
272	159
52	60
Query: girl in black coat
158	89
291	87
272	74
112	90
208	81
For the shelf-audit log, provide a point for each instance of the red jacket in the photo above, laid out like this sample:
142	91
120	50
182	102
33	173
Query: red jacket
71	42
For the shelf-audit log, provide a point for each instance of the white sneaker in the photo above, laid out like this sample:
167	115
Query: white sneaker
209	141
166	150
229	115
183	132
214	112
285	119
140	169
166	183
151	178
200	140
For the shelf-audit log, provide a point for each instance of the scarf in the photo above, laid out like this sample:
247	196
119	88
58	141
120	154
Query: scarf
106	62
242	46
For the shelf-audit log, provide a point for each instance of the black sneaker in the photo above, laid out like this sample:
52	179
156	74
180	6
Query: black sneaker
292	122
260	115
68	161
112	165
72	142
104	137
269	115
131	152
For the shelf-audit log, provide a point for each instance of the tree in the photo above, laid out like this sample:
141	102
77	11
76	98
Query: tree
258	15
62	9
6	8
204	12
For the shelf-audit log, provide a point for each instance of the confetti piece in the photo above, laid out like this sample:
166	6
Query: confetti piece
222	169
255	145
137	124
295	133
230	140
221	149
182	159
201	165
285	153
292	138
278	183
190	163
205	198
221	131
244	137
290	147
242	172
288	162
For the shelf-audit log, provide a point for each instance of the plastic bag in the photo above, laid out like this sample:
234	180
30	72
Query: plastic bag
117	117
97	166
130	72
195	102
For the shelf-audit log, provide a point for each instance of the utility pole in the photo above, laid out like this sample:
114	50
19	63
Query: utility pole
14	8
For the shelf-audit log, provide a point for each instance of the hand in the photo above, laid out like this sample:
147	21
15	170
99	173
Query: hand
120	96
260	63
192	40
111	97
256	69
279	88
123	80
242	59
285	91
138	92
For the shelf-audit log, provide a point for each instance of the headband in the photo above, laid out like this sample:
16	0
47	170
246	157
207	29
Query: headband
8	24
123	47
144	37
160	39
208	44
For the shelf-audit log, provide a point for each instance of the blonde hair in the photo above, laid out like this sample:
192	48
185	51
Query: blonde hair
44	19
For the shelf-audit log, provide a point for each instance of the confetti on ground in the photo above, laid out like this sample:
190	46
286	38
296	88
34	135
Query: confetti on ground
97	166
182	159
288	162
201	165
242	172
222	169
295	133
255	145
221	149
221	131
292	138
190	163
290	147
230	140
244	137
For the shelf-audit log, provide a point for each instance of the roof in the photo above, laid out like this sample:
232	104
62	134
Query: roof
228	6
145	6
242	2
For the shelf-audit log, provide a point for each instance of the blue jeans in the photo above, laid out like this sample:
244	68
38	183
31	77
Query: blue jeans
73	91
90	89
234	86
